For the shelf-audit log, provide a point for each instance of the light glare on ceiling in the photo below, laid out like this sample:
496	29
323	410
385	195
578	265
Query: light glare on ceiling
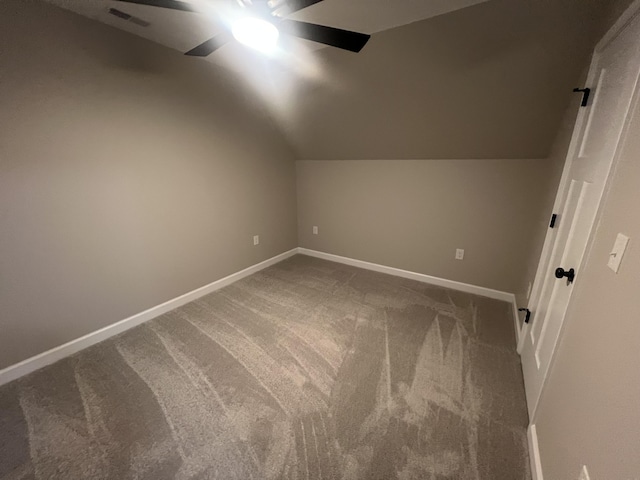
256	33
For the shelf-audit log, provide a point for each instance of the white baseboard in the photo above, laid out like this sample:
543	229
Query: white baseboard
32	364
420	277
534	453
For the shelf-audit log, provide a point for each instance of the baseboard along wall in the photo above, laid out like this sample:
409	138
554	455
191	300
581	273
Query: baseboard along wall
36	362
421	277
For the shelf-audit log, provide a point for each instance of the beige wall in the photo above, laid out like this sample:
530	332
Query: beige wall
413	214
129	175
590	409
498	92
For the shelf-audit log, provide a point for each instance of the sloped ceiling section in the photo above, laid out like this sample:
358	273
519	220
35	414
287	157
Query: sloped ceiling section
438	79
489	81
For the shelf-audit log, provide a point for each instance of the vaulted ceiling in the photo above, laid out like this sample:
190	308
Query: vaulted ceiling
489	81
438	79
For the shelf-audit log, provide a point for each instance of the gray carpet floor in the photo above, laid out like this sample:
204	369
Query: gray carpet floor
306	370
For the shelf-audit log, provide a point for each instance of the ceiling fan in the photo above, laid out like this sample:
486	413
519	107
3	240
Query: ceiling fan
263	23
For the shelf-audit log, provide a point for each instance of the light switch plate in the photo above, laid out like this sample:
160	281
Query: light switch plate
615	257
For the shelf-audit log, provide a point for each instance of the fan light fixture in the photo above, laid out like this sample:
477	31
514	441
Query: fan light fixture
256	33
262	24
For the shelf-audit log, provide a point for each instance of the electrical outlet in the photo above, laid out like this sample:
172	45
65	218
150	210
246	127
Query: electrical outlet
459	254
315	230
256	239
584	473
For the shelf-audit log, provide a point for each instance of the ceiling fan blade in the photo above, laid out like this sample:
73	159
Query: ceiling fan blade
336	37
207	48
170	4
290	6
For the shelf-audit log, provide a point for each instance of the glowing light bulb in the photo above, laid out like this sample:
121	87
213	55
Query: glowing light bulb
256	33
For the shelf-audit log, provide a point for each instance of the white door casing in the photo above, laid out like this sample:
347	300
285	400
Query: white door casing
613	79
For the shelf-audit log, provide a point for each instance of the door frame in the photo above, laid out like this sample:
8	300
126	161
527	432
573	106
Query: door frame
582	117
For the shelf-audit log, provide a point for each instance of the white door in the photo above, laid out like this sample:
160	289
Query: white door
613	77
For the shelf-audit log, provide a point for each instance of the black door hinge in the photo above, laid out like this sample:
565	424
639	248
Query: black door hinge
586	92
552	223
527	317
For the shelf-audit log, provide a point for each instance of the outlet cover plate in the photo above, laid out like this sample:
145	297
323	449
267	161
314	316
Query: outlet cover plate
459	254
256	239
